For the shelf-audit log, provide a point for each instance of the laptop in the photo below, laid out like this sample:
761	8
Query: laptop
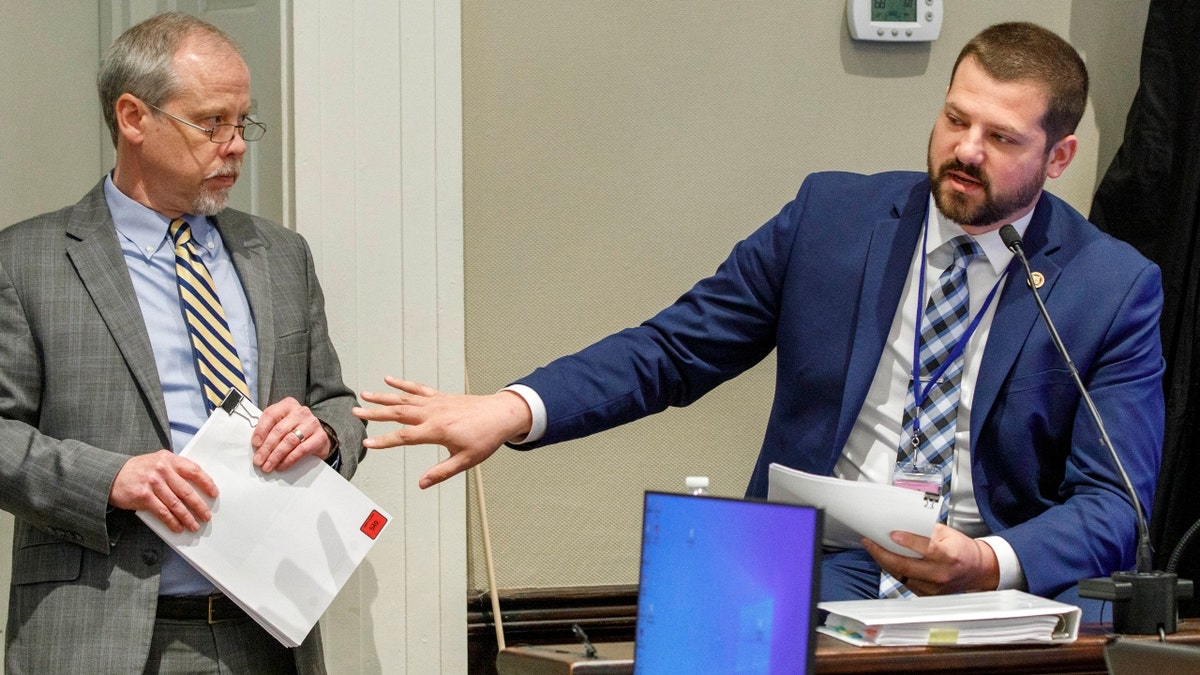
727	586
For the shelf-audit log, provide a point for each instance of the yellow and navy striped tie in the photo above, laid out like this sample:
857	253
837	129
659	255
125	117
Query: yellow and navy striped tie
217	361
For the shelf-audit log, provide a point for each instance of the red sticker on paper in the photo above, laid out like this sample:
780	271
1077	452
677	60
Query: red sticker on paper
373	525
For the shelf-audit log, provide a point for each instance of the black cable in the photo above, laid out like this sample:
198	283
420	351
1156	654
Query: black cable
1177	553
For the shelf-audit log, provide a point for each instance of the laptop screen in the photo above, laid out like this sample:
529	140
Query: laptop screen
726	586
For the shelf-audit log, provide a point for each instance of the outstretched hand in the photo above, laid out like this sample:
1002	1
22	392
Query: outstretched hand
470	427
950	562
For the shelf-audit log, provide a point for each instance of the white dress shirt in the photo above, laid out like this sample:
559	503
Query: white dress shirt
870	451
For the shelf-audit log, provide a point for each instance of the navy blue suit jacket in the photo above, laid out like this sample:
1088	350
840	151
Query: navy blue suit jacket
821	281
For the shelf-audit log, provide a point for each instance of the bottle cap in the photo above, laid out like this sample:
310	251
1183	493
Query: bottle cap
696	482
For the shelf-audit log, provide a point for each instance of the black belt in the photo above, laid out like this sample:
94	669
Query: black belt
210	609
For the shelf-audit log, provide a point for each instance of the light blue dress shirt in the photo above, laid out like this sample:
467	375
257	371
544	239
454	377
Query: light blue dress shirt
150	256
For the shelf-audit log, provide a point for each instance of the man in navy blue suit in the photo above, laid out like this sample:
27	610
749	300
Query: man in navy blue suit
834	283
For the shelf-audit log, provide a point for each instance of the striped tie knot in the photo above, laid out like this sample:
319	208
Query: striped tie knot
181	234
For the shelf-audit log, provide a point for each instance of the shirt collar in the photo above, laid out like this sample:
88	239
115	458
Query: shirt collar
147	228
942	229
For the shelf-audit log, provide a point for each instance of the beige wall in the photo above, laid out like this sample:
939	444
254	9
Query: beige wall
615	151
50	129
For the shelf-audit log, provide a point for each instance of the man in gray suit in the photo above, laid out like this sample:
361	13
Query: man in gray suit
100	379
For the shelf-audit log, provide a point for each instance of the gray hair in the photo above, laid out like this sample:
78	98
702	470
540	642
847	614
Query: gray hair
141	61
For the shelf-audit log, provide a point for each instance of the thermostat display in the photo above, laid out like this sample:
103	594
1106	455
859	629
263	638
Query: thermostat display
894	20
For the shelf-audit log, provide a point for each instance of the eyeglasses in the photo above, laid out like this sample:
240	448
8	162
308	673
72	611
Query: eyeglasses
223	133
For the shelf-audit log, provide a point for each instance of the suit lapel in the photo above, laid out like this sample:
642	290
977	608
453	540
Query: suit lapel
1016	314
886	263
95	253
249	255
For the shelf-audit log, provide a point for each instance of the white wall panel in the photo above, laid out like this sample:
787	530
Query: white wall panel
378	192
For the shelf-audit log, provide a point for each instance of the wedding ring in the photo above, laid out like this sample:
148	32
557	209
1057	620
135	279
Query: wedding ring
298	434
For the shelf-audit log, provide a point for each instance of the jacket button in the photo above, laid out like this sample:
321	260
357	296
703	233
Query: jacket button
150	557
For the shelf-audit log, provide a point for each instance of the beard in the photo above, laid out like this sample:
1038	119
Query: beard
993	209
209	201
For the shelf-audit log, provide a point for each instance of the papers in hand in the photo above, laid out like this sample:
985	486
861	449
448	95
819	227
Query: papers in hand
854	509
993	617
281	544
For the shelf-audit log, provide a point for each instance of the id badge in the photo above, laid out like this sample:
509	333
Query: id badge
922	479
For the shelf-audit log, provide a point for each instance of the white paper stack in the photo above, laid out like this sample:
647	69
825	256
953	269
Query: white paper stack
989	618
281	544
856	509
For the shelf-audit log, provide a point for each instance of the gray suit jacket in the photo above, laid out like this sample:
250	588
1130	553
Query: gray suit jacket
80	393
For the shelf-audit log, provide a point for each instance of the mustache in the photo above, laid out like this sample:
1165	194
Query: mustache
230	169
971	171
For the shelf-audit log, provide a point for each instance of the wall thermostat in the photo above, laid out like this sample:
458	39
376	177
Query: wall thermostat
894	20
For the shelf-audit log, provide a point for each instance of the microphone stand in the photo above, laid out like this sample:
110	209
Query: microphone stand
1144	600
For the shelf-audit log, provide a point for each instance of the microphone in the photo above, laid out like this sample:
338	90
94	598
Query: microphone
589	650
1143	600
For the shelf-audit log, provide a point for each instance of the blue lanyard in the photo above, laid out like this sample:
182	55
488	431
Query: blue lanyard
920	394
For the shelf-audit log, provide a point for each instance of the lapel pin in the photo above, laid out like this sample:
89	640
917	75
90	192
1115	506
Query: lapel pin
1038	279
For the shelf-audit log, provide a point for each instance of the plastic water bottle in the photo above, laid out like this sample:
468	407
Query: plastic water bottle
697	485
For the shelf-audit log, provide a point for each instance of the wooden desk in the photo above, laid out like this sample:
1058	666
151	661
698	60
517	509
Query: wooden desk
612	658
1085	655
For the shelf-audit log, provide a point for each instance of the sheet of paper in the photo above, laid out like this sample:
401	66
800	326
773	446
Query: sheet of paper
854	509
281	544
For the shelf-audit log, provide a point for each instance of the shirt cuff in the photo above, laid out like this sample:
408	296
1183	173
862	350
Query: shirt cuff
537	410
1011	574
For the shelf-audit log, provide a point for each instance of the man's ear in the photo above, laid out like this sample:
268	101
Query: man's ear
131	116
1060	155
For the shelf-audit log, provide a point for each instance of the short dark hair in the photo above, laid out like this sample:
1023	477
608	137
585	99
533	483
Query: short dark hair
141	61
1021	51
